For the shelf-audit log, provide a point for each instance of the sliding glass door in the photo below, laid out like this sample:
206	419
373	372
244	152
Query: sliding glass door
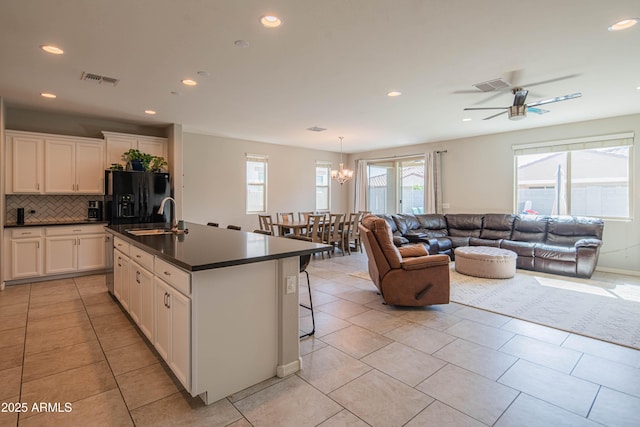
396	186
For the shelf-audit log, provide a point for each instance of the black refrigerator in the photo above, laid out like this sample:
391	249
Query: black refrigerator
133	197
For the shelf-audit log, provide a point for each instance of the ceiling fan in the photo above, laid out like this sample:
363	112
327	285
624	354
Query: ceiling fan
518	110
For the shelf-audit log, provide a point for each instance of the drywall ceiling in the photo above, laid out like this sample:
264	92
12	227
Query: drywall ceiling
330	65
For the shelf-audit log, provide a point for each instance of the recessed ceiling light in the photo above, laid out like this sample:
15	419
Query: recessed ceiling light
149	112
394	93
189	82
48	95
623	25
52	49
467	119
270	21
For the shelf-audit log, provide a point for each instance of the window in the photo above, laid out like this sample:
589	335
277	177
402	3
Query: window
582	177
323	190
256	183
396	186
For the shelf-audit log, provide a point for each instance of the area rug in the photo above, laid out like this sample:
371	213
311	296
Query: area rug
587	307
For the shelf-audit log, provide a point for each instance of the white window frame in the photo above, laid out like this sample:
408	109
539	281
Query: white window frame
256	158
327	166
578	144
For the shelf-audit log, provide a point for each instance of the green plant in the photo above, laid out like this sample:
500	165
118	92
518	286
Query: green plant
134	154
158	163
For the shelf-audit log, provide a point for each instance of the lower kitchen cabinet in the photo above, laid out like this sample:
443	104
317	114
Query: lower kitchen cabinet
172	335
26	253
141	298
121	278
76	248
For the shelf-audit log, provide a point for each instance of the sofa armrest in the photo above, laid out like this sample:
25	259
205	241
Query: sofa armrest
424	262
588	243
413	251
399	240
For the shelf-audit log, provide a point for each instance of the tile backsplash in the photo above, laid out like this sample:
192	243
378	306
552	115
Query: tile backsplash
48	208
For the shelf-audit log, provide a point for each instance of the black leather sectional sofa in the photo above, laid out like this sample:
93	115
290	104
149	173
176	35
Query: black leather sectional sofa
566	245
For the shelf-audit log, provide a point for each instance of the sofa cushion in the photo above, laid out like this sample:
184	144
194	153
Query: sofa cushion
567	230
433	225
390	221
413	251
406	223
523	249
382	232
558	253
474	241
497	226
530	228
464	225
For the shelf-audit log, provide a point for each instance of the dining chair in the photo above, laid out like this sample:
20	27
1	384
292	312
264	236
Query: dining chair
284	217
314	229
304	217
332	231
349	232
234	227
266	223
304	263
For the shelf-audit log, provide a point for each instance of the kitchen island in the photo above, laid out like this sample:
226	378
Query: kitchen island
220	306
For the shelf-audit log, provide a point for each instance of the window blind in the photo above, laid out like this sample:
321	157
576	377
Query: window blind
587	143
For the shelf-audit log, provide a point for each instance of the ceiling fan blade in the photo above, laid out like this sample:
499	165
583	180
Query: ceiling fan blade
557	79
487	108
495	115
520	96
536	110
556	99
465	91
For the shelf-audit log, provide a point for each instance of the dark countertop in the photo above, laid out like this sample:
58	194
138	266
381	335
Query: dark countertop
205	247
54	223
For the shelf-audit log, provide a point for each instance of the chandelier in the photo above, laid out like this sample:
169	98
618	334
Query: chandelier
341	175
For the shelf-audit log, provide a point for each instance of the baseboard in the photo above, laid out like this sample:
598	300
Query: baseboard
618	271
288	369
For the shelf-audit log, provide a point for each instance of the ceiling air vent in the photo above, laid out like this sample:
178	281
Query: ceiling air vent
492	85
96	78
316	129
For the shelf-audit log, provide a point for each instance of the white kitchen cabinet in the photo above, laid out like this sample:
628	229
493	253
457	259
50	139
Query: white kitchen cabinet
26	253
141	290
118	143
38	163
74	248
172	335
24	157
121	278
73	167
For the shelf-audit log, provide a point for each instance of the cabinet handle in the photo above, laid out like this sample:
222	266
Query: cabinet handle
38	245
138	256
119	259
165	299
168	301
26	233
166	273
76	230
138	276
38	186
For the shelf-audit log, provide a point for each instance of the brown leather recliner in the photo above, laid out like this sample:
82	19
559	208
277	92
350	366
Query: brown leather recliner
408	275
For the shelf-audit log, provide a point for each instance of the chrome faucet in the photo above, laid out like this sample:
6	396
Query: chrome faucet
174	223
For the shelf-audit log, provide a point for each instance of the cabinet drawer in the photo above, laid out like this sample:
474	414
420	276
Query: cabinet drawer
26	232
141	257
179	279
121	245
73	229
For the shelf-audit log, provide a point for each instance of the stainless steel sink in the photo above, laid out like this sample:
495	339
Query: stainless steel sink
148	231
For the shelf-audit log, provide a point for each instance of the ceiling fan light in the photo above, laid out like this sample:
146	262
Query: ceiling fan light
623	25
517	112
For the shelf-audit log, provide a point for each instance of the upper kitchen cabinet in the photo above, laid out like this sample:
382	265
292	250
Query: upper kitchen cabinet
73	167
53	164
119	143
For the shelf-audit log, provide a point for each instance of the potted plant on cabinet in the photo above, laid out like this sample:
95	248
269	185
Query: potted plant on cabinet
137	160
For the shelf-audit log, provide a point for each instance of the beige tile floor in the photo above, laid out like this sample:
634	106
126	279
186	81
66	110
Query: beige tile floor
368	364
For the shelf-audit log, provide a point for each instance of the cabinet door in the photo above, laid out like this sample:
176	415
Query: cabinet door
91	252
146	303
162	325
121	278
26	258
27	164
116	147
180	353
89	168
60	254
153	147
135	291
59	167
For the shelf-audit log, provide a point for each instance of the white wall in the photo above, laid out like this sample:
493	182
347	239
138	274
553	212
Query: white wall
478	177
214	180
